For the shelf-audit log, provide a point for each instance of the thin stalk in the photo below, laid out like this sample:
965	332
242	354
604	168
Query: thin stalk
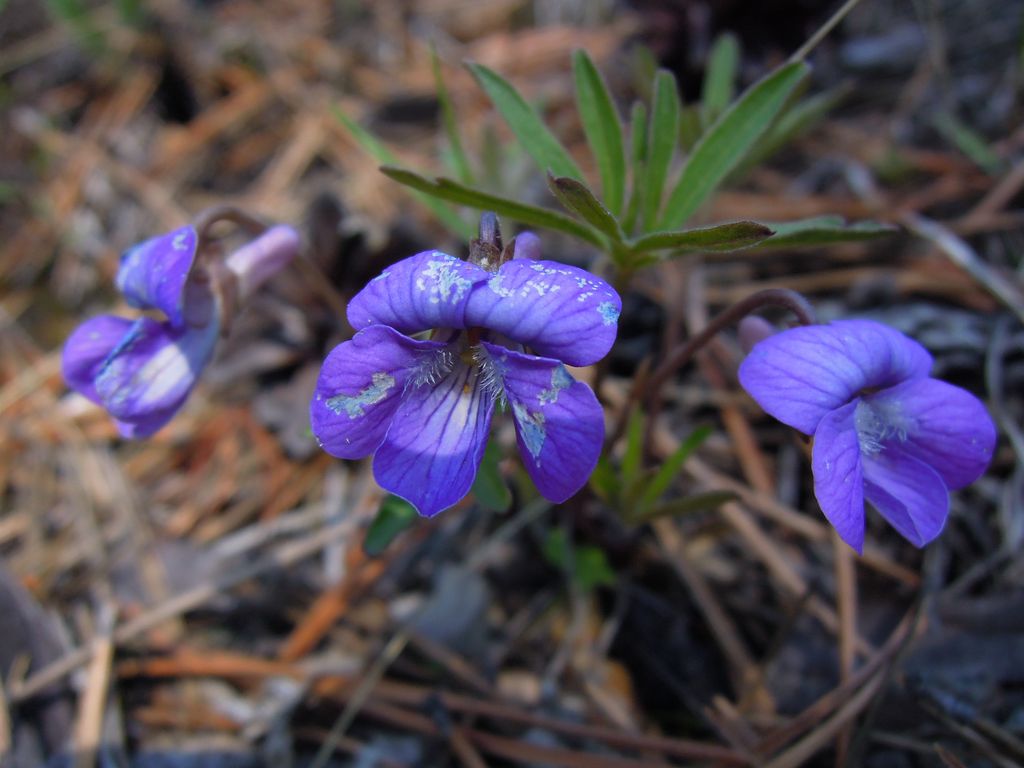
825	28
683	354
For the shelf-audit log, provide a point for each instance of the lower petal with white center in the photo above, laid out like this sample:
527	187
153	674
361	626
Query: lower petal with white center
838	474
144	426
153	368
433	449
559	422
87	348
361	385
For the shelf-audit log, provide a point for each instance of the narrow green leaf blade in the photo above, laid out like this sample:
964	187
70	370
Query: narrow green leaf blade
632	459
792	122
664	134
451	126
688	505
721	237
969	141
603	129
670	468
575	196
690	129
489	487
726	142
394	516
823	230
604	481
526	124
385	156
530	215
638	161
720	77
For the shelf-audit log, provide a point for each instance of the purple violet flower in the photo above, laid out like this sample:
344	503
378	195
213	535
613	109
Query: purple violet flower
424	407
142	371
883	429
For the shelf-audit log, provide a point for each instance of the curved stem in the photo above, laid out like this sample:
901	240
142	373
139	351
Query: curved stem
205	219
681	355
779	297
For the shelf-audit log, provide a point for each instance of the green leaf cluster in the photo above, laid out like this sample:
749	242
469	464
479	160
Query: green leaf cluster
656	170
636	494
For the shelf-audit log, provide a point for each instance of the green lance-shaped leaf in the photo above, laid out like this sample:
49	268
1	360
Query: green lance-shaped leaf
394	516
489	487
638	162
690	128
721	237
664	136
796	118
687	505
727	142
823	230
968	141
575	196
720	77
385	156
604	481
633	456
526	124
670	468
603	129
451	126
531	215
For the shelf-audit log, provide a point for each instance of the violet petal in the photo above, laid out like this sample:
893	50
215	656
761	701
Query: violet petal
146	425
436	442
944	426
559	423
153	368
361	385
87	348
527	246
153	274
557	310
428	290
908	493
801	374
838	474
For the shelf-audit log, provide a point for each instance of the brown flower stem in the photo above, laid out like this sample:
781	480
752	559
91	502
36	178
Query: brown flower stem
684	353
207	218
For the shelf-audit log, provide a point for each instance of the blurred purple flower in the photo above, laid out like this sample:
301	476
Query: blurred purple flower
424	408
142	371
883	430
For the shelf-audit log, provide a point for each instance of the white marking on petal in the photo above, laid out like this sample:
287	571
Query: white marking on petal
355	405
609	314
560	379
496	286
531	429
447	285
